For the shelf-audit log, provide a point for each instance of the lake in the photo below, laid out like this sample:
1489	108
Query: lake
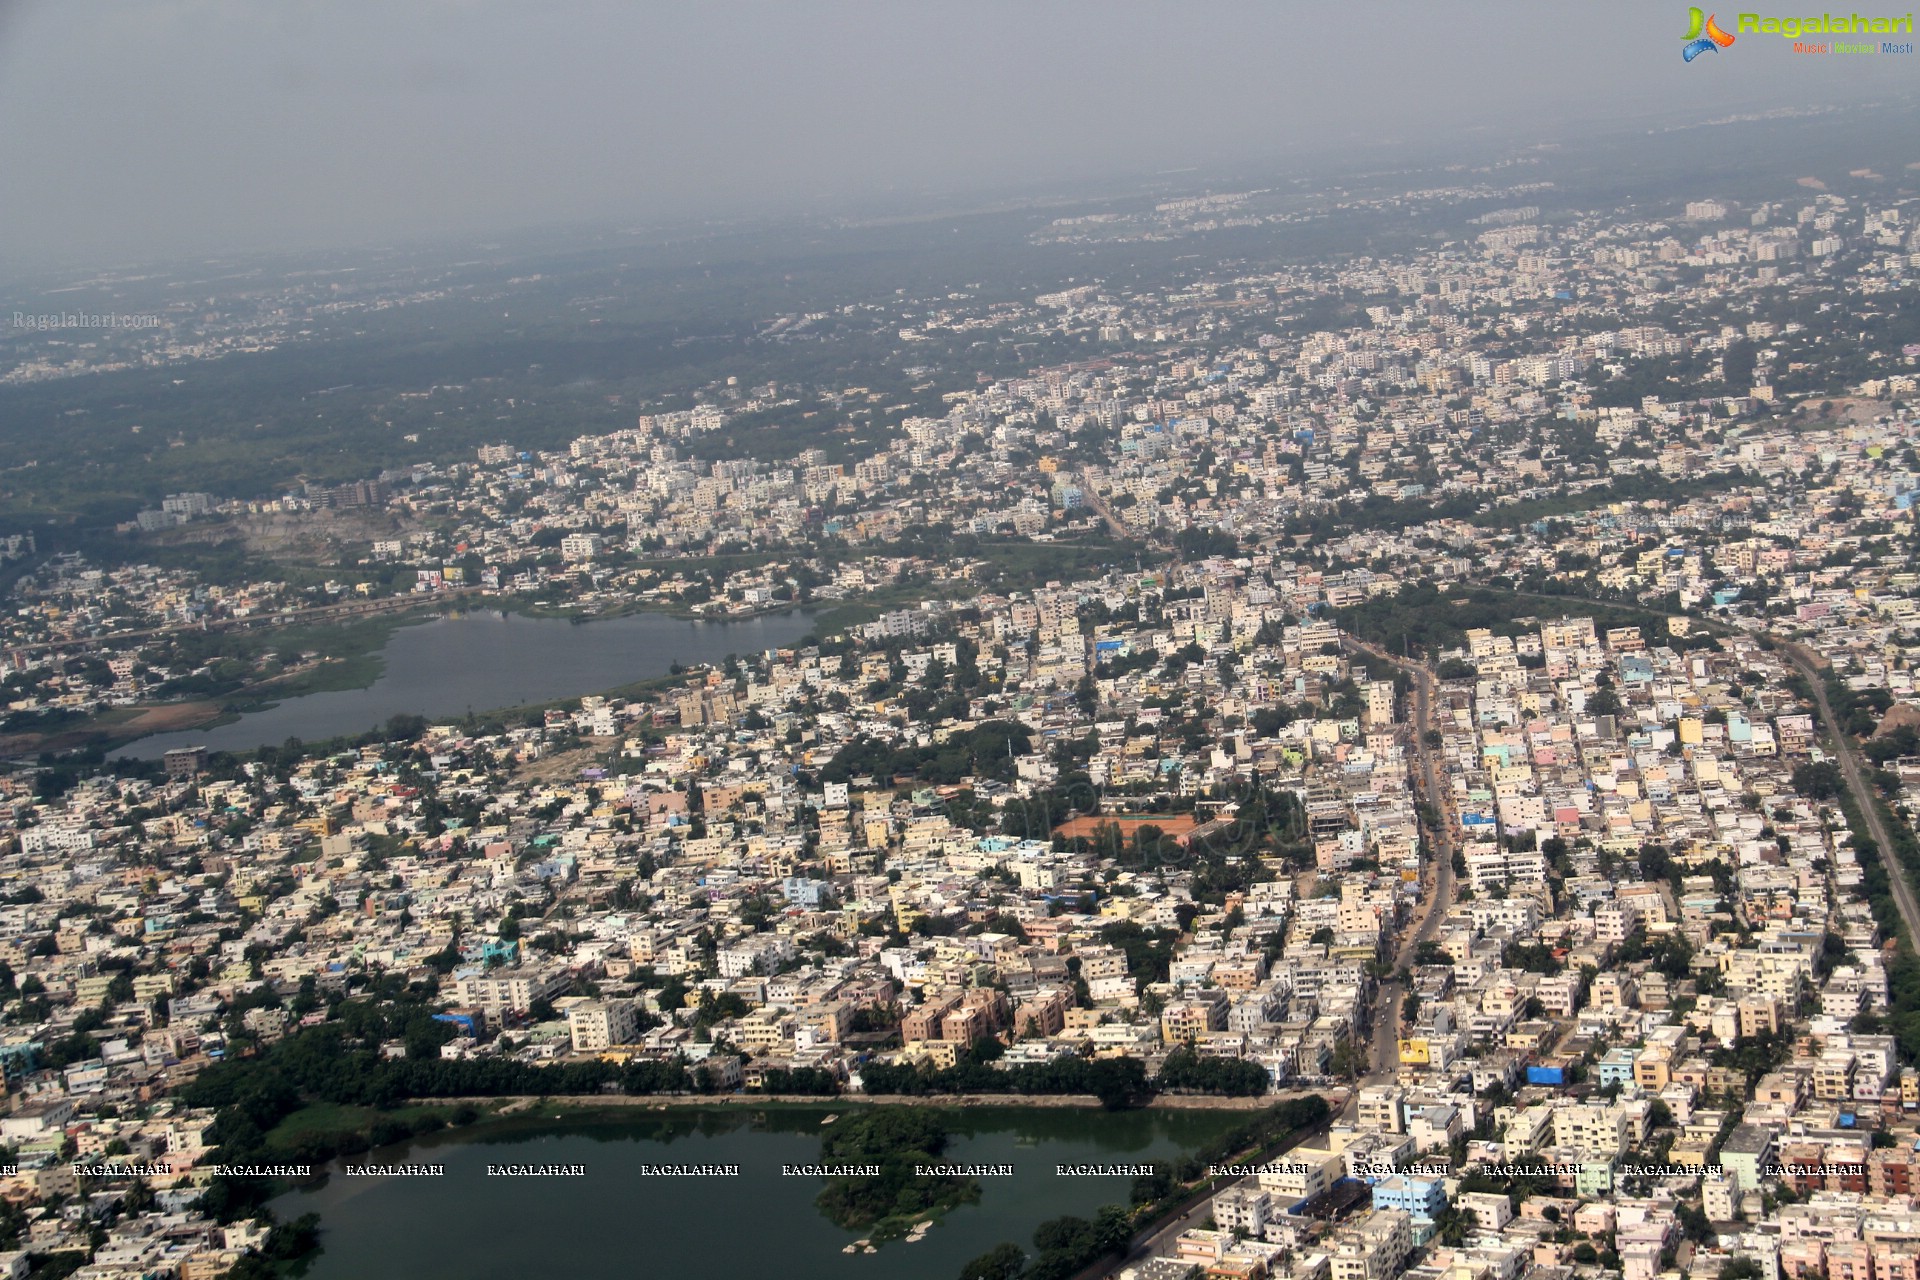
484	659
616	1220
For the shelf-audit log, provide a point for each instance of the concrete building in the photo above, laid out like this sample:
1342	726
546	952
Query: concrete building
601	1024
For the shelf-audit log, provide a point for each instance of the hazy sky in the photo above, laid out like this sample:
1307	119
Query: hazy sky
130	128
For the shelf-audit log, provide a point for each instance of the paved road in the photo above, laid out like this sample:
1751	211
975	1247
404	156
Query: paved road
1897	879
1434	906
1436	873
1091	496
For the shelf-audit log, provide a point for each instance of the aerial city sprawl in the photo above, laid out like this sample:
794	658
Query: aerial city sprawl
1437	705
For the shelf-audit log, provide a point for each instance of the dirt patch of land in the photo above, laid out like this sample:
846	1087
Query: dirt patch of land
1900	716
170	717
1844	409
112	728
123	724
1174	826
562	766
314	538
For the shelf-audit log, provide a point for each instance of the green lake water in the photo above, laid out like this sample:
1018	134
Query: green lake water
616	1221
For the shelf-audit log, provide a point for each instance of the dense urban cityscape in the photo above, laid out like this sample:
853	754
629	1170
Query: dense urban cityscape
1438	715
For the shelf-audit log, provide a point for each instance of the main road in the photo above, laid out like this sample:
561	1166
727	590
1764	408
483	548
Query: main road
1436	896
1161	1241
1091	496
1436	872
1863	798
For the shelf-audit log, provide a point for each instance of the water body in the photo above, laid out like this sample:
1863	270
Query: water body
485	659
615	1221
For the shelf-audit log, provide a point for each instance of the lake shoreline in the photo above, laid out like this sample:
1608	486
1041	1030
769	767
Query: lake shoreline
494	1116
482	659
1035	1158
116	729
571	1106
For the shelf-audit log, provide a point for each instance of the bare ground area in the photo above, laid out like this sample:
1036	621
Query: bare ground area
1846	409
1900	716
319	537
124	724
563	766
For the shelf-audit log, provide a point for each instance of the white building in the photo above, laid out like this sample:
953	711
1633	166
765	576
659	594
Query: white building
601	1024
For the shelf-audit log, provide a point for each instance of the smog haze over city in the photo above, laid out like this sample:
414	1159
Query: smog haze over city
138	129
1008	642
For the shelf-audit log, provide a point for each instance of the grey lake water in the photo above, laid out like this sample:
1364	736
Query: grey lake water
619	1220
480	660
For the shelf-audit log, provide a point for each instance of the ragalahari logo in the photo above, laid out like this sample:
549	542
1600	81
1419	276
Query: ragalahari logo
1703	35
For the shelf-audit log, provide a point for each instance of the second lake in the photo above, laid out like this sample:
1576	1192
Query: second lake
485	659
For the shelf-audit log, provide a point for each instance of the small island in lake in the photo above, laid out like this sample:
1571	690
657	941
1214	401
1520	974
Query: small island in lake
889	1196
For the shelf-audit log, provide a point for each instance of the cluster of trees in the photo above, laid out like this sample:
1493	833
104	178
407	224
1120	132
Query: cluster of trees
1421	618
896	1139
1117	1082
1149	952
1877	867
1190	1072
1264	1130
1889	743
1197	542
812	1081
1269	819
1063	1247
1533	957
1266	820
1820	781
1523	1178
252	1095
1669	953
986	751
340	1062
1857	711
1756	1055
